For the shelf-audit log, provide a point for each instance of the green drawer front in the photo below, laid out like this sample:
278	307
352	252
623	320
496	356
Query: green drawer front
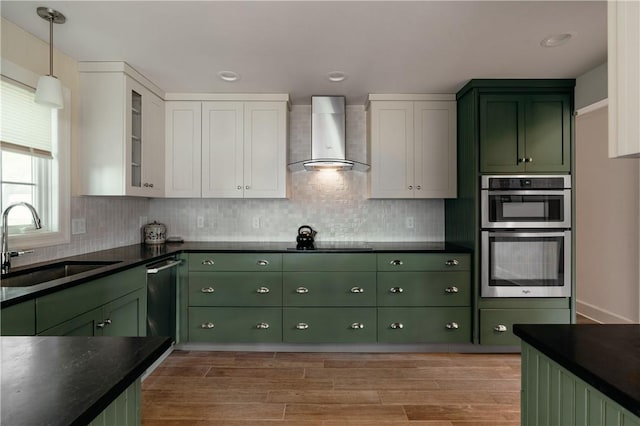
329	289
424	325
235	325
496	325
19	320
235	262
63	305
329	325
424	289
235	289
305	262
424	262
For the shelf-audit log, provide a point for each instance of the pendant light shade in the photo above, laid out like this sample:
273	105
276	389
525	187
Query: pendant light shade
49	90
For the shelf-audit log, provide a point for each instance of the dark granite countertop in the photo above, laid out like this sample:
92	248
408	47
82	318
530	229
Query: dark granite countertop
140	254
69	380
606	356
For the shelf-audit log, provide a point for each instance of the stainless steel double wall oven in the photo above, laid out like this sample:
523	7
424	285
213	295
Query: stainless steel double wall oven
526	236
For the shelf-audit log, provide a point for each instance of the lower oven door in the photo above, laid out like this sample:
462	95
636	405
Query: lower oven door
526	264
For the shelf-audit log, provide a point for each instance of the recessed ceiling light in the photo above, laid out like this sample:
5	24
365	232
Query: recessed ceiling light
336	76
229	76
556	40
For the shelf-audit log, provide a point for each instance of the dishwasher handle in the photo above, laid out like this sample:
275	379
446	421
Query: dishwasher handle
163	267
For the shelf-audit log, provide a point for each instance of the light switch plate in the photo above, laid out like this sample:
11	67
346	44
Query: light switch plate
78	226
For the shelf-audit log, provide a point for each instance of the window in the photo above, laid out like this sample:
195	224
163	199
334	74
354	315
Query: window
34	158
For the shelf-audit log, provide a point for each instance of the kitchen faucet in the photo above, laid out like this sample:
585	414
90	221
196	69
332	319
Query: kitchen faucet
6	254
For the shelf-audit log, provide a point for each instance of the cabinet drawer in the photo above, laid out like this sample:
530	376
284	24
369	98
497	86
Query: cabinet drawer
424	325
329	325
329	289
424	262
305	262
235	289
496	325
235	262
230	325
424	289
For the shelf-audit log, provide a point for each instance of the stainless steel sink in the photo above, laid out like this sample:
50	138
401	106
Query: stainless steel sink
53	271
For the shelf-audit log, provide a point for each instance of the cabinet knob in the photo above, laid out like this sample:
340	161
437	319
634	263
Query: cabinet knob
396	262
208	262
146	185
239	187
452	262
262	262
451	290
396	325
529	160
500	328
410	187
302	290
262	290
262	326
104	323
246	187
452	326
207	325
357	326
418	187
522	160
396	290
302	326
357	290
150	185
207	290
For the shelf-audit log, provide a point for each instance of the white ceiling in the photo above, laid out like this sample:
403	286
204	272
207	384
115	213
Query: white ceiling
290	46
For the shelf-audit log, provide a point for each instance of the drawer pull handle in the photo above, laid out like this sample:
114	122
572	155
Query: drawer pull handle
357	326
302	290
452	262
396	325
262	262
357	290
451	290
452	326
262	290
500	328
207	325
208	262
207	290
396	262
262	326
104	323
396	290
302	326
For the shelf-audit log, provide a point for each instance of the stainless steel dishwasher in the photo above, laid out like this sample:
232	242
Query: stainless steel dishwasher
161	298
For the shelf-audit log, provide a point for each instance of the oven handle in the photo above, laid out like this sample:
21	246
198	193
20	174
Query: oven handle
529	192
163	267
527	234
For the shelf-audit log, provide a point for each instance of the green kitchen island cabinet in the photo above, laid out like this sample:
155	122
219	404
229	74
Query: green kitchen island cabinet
587	374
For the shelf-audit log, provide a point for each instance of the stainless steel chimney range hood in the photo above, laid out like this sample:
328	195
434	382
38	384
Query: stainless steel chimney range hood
328	146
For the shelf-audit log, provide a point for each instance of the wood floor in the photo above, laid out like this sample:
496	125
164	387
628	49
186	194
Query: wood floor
331	389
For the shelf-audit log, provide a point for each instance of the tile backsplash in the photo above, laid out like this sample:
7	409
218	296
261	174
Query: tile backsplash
333	203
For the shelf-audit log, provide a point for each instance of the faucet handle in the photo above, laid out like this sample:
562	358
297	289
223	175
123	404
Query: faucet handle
19	253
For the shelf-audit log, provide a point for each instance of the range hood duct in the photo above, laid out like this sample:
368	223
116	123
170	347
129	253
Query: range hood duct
328	146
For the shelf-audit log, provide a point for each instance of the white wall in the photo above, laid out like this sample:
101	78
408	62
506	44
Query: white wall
607	226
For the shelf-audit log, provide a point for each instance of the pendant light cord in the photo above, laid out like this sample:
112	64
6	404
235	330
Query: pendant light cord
51	46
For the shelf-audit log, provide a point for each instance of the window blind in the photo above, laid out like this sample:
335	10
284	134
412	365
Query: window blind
25	126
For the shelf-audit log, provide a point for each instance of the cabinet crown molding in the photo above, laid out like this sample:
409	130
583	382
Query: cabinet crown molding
409	97
239	97
123	67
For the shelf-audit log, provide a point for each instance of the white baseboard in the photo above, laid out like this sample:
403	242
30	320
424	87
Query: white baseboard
600	315
157	363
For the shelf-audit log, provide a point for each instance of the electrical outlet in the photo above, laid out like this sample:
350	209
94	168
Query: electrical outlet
256	222
409	222
200	222
78	226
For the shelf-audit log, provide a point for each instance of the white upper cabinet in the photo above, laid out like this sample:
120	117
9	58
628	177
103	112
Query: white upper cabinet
227	148
183	150
413	146
624	78
122	146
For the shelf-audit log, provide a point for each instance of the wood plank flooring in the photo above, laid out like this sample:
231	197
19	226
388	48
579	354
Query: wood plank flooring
331	389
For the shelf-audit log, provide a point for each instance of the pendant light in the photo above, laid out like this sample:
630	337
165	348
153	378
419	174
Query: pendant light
49	90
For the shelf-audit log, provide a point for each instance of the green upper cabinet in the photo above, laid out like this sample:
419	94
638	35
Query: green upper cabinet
525	132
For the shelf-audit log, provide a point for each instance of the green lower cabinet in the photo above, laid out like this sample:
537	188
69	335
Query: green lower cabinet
553	396
424	325
329	289
124	410
496	325
235	325
19	319
235	288
424	289
329	325
82	325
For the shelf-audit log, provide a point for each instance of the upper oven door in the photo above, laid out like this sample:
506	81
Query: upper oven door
526	209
